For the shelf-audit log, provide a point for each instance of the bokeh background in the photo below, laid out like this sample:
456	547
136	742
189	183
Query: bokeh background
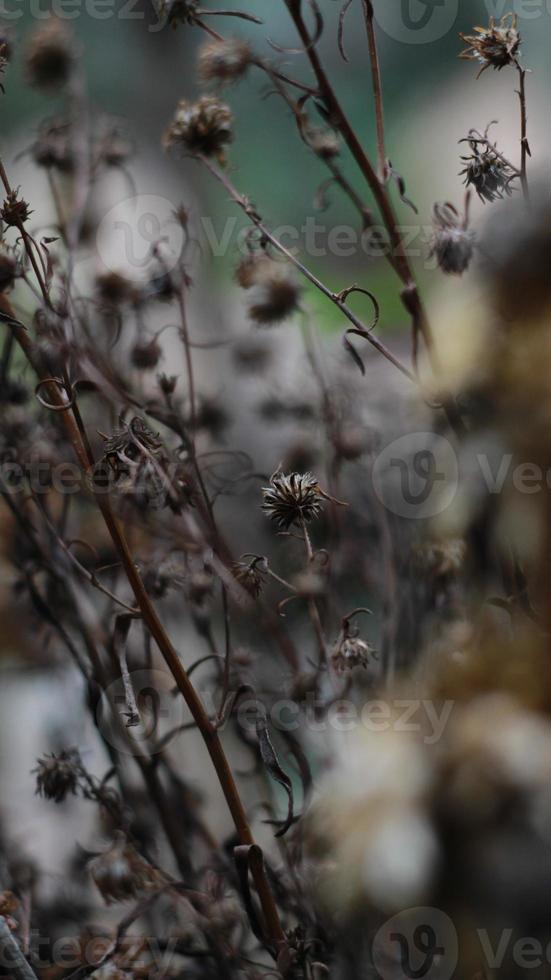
137	73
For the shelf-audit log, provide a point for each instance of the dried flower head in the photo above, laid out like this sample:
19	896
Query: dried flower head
486	170
494	46
351	652
452	243
121	874
275	290
203	128
50	55
292	498
249	575
15	211
5	53
167	383
145	355
223	62
53	147
174	12
114	148
114	289
57	775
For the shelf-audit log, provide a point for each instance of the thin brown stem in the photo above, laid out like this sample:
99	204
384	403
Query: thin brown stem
524	145
151	619
377	88
335	298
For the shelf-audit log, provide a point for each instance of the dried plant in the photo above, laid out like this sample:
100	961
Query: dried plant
142	568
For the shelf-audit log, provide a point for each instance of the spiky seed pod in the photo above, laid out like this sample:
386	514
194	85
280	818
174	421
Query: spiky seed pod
494	46
57	775
204	127
292	498
146	355
223	62
351	652
275	291
52	148
50	55
8	269
488	173
452	243
121	874
249	576
15	211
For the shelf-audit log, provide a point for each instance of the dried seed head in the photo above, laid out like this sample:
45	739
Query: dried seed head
486	171
121	874
57	775
52	147
494	46
176	12
15	211
167	383
324	142
292	498
8	270
5	53
211	416
113	289
50	55
452	243
204	127
223	62
441	558
114	149
275	291
249	576
6	49
252	355
146	355
351	652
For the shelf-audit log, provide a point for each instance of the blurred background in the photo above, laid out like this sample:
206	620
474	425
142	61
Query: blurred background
137	72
